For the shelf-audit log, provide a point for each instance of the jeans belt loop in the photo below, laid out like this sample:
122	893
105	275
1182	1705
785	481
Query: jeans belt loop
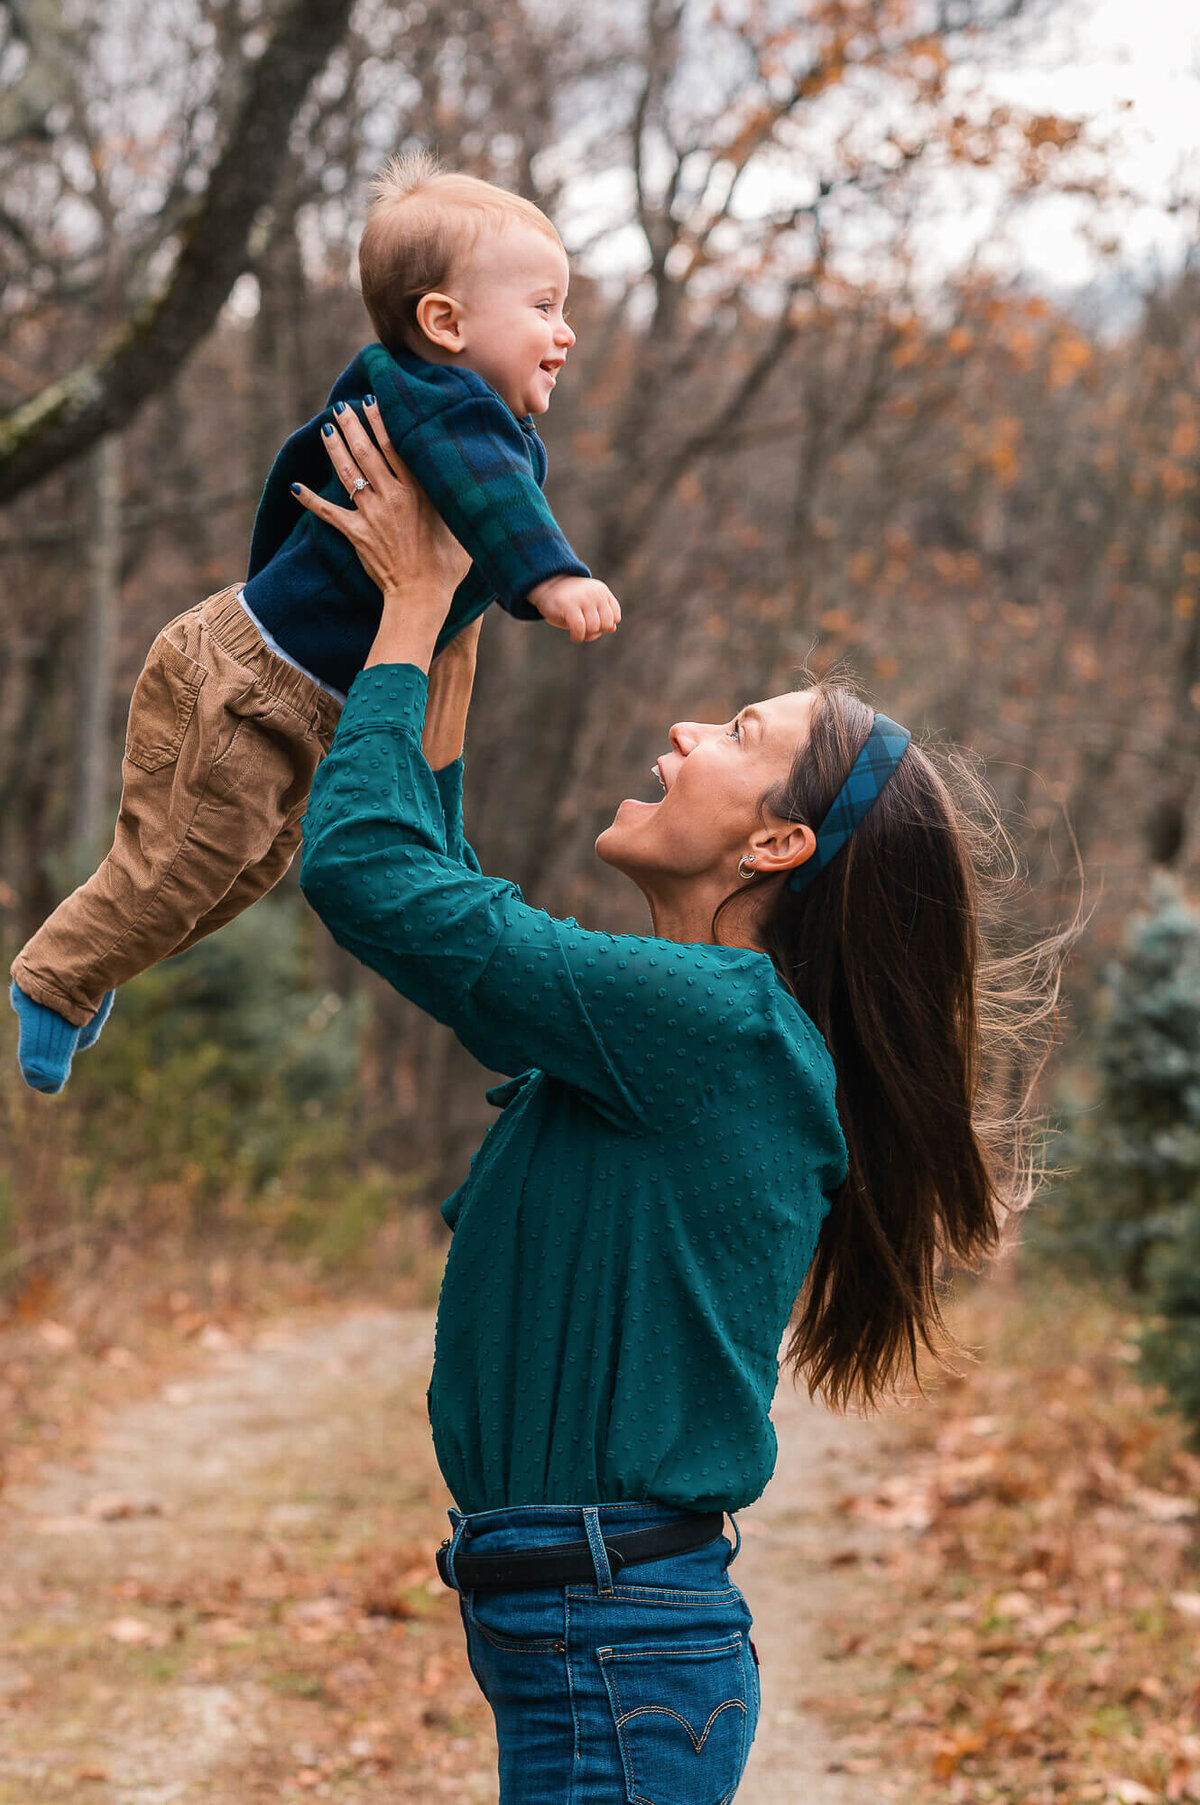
591	1522
459	1527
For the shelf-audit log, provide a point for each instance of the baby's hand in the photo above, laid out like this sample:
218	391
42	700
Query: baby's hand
583	605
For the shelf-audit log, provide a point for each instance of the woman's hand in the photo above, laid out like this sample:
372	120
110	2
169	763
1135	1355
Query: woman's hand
402	542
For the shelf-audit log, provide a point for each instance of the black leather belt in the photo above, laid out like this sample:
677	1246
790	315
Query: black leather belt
570	1563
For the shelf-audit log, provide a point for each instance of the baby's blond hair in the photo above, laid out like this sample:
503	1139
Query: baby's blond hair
421	221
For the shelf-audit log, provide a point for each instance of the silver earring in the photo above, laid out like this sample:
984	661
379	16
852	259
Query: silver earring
746	859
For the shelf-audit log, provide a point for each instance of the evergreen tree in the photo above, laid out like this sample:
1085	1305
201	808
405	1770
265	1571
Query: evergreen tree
1171	1345
1132	1202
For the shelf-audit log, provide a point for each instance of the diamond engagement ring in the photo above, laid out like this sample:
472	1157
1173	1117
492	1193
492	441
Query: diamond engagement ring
359	483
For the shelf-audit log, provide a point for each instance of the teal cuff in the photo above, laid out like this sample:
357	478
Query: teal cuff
386	695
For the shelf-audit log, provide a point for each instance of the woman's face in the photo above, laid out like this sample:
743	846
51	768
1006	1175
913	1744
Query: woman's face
707	817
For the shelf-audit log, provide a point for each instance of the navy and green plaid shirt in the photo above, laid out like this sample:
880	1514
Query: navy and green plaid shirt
483	470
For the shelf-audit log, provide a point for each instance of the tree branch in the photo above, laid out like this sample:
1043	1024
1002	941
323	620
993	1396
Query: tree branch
706	437
102	394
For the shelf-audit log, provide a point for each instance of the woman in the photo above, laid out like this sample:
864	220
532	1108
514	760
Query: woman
773	1096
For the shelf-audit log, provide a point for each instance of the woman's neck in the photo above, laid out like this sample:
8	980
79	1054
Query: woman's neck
688	920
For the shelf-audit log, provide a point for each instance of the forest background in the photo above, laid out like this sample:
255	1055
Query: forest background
783	439
792	432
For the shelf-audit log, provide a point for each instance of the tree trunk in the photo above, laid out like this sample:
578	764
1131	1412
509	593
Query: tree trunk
100	639
277	367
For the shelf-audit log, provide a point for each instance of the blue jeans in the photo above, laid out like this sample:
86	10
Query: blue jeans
638	1691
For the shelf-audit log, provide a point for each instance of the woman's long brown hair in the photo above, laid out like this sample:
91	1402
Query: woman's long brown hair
937	1035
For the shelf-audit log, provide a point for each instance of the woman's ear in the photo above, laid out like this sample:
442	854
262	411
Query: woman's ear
785	848
439	319
801	844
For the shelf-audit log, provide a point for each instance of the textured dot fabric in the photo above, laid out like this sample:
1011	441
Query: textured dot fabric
637	1222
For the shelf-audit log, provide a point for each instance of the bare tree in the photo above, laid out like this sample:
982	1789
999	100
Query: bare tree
214	230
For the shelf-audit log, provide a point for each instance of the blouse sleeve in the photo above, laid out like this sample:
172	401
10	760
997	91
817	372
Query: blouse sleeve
626	1020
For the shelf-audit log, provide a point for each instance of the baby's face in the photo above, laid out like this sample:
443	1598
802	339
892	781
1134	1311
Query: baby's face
512	291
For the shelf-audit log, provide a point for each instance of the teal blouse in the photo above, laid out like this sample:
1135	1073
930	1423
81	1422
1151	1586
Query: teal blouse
633	1231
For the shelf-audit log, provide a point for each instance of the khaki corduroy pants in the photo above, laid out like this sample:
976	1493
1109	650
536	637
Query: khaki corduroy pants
223	739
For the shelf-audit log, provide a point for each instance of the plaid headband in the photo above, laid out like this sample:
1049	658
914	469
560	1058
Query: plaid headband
883	751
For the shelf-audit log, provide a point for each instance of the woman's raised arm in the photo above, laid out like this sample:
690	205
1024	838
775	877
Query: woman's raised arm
642	1028
451	680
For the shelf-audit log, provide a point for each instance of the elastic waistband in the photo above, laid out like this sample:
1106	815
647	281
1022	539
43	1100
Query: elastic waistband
232	628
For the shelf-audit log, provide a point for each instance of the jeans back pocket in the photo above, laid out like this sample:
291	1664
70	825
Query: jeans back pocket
680	1711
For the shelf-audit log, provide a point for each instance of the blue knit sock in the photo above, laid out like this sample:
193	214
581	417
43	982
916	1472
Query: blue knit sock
48	1042
46	1045
89	1034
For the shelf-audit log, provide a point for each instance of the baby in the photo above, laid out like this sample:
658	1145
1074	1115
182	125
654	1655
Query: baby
237	702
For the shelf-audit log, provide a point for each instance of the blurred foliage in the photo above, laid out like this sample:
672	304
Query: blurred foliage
221	1097
1171	1345
1129	1204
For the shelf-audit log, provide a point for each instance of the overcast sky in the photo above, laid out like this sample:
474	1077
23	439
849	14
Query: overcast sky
1129	68
1134	66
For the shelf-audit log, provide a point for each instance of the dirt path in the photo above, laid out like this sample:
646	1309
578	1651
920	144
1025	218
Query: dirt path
800	1549
205	1613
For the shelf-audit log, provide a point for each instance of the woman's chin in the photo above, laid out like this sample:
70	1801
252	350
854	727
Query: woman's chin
628	811
608	841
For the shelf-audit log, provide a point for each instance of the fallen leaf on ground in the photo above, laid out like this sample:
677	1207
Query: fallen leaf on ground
112	1507
1164	1507
56	1335
135	1632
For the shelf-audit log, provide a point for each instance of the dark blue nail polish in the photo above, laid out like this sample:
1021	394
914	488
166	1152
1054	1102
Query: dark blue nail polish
295	488
327	429
339	407
368	401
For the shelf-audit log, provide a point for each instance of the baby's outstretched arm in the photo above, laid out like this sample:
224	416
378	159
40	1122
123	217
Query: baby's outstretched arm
583	605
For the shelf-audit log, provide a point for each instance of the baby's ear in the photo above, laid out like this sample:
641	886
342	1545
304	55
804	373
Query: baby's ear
439	319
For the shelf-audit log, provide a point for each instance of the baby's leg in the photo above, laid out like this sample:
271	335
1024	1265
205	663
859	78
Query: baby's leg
48	1044
222	743
252	883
